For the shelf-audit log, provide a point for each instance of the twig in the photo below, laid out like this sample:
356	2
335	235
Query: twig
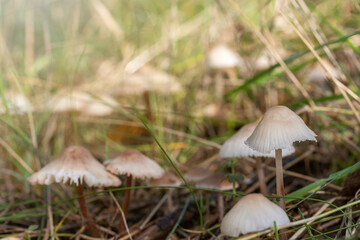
154	210
179	219
122	214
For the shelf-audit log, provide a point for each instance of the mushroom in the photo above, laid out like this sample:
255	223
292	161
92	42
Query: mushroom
221	59
252	213
141	83
278	129
316	78
75	166
14	103
217	181
85	103
132	163
145	80
235	147
171	180
196	174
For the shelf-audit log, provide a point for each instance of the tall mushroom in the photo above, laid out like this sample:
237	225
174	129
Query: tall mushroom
75	166
235	147
278	129
221	59
132	163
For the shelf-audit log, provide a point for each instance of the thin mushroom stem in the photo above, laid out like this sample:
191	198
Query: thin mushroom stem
89	221
220	200
261	177
170	204
126	201
220	85
148	112
234	182
279	177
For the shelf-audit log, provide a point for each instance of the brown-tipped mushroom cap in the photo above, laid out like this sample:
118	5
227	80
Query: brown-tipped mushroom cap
216	181
252	213
235	146
279	129
168	179
196	174
75	165
132	162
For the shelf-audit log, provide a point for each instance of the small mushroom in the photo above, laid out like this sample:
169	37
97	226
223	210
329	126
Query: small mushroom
132	163
217	181
15	103
235	147
75	166
82	102
278	129
196	174
168	179
252	213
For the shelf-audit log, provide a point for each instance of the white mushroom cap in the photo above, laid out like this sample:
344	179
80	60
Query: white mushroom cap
222	56
252	213
279	129
132	162
235	146
75	165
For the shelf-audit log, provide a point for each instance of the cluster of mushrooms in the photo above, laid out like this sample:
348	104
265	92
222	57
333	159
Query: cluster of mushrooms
272	137
76	165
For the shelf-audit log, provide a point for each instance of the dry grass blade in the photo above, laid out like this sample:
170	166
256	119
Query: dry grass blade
107	18
29	40
159	128
268	44
122	214
321	210
343	89
16	156
191	26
